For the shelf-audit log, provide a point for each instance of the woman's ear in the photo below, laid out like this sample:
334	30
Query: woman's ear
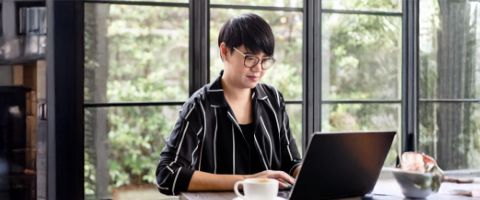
223	51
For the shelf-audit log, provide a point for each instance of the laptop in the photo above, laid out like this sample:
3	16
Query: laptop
341	165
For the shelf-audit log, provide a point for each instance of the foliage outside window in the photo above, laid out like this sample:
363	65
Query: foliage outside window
371	5
362	60
132	54
276	3
449	122
140	54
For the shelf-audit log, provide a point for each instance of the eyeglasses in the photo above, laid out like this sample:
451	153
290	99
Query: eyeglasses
251	60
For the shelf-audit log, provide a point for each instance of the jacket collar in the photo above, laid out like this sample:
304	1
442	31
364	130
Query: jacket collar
216	97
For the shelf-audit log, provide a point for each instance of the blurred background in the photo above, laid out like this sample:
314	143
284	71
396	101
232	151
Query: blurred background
342	65
137	53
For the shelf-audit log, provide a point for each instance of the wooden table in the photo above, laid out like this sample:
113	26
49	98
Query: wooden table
385	189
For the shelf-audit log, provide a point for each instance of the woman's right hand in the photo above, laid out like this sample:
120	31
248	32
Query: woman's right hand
283	178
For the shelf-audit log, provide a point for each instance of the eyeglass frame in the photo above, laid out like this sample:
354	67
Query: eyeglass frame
256	58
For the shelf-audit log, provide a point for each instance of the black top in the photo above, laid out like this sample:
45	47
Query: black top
208	138
248	131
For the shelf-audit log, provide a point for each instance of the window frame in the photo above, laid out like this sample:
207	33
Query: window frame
199	47
65	84
313	65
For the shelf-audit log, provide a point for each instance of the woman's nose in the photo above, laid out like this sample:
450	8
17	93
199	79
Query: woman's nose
257	67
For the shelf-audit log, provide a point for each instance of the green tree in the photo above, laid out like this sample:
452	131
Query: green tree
132	54
456	67
96	67
449	131
361	60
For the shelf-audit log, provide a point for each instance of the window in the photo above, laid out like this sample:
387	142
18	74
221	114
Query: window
449	112
136	79
361	66
370	5
259	3
138	72
139	57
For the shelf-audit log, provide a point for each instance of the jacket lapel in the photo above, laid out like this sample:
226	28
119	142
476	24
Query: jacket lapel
259	96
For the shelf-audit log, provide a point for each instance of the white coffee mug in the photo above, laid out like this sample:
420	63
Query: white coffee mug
257	189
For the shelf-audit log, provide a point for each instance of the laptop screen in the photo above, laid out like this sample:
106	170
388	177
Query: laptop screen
342	164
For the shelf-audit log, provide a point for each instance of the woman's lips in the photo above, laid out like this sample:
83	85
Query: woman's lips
253	78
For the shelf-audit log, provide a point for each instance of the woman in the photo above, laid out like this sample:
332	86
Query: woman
235	127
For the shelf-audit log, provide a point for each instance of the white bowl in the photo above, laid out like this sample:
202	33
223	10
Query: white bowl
416	184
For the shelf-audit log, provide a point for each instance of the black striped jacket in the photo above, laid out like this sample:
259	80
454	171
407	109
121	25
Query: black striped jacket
207	137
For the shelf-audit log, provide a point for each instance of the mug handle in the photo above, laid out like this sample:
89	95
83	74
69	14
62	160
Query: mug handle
235	188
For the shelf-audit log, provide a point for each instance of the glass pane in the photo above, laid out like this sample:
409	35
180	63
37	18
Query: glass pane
287	28
364	117
166	1
449	50
122	146
294	112
450	132
135	53
377	5
277	3
361	57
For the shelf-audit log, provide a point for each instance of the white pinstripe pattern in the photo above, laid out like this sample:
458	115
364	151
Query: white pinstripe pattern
188	114
180	144
233	157
215	142
196	148
175	180
293	167
261	154
219	165
204	133
215	90
278	97
269	140
170	169
193	152
173	126
162	188
286	138
275	115
236	123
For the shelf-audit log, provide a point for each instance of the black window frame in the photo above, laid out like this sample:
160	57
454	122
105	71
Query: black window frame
199	46
409	96
65	79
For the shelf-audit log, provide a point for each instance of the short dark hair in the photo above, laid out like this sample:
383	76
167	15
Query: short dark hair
249	30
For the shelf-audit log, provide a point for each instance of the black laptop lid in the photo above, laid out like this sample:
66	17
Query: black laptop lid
339	165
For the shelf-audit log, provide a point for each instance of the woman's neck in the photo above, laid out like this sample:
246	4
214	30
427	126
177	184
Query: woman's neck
239	101
236	94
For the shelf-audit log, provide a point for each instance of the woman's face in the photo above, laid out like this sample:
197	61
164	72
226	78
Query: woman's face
235	72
